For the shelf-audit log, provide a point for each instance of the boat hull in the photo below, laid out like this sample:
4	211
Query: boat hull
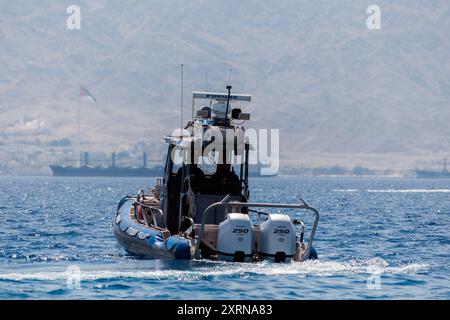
147	242
151	243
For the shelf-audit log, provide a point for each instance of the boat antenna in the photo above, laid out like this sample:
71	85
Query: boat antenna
229	94
228	102
206	81
181	101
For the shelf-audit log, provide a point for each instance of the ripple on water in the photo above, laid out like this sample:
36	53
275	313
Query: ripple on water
393	226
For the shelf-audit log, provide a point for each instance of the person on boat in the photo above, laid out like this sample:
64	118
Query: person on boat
226	181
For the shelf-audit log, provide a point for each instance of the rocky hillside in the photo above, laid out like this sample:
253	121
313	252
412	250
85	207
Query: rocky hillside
340	93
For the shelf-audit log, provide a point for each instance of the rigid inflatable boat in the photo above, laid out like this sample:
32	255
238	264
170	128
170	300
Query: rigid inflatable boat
200	209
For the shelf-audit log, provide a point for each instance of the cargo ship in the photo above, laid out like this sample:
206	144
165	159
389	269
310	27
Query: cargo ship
106	171
429	174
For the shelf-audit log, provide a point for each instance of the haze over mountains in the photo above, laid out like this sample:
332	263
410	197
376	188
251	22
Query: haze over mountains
340	93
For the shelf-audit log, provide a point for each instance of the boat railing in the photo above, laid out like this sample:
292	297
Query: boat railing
235	204
153	210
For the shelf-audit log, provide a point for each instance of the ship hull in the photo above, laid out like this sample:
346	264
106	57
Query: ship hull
424	174
59	171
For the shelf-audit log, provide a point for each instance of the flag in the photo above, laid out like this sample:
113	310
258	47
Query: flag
85	93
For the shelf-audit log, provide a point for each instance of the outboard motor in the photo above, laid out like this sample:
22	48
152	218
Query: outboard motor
278	238
235	238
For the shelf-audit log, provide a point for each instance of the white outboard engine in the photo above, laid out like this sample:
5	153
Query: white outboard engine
235	238
278	239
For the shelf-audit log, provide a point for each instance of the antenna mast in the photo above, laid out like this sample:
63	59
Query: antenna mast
229	95
228	104
181	101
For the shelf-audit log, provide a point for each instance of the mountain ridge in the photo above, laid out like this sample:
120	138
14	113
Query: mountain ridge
315	71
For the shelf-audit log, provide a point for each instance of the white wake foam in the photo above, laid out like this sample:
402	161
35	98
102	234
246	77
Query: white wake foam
395	190
221	269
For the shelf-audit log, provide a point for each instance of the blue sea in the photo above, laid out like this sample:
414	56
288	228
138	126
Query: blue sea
377	239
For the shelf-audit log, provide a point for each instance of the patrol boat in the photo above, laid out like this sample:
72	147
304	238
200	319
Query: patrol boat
201	208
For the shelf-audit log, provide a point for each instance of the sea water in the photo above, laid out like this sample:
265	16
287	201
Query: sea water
377	239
